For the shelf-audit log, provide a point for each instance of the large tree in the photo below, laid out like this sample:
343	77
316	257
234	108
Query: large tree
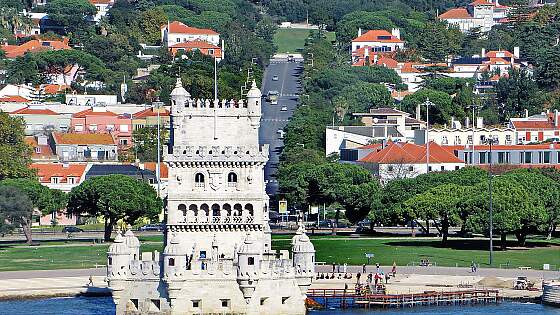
114	197
15	154
145	143
16	210
73	15
443	108
518	92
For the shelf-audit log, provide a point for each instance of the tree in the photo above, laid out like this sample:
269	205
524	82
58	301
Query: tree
15	154
361	201
437	41
440	113
42	198
145	142
15	211
517	92
362	96
440	204
150	23
114	197
70	14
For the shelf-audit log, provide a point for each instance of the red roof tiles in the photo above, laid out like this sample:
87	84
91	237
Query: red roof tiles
397	152
13	99
178	27
34	46
91	112
149	112
377	36
46	171
457	13
83	138
33	111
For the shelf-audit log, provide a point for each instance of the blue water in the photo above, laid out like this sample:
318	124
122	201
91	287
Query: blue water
105	306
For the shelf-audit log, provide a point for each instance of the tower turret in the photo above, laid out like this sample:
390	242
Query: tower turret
303	258
118	258
248	266
175	259
254	105
133	244
179	97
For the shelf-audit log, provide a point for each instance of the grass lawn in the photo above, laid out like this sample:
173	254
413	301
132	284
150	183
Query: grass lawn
338	249
289	39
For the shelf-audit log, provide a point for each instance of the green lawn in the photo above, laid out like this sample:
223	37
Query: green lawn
338	249
289	39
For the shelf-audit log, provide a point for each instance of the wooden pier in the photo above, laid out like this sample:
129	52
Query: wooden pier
340	298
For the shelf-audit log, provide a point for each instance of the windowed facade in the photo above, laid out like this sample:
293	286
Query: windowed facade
199	180
482	157
232	179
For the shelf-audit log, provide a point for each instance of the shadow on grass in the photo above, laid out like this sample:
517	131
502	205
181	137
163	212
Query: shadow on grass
469	244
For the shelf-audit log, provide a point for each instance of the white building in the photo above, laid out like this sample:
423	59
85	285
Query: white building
536	128
90	100
218	257
177	32
406	160
102	7
479	13
456	134
378	40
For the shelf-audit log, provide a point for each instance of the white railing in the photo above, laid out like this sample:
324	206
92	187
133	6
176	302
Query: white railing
218	220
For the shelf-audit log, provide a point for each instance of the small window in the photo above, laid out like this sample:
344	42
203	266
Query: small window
411	168
110	261
203	254
196	303
285	299
390	168
456	167
547	157
55	180
442	168
263	300
232	179
225	302
171	262
199	180
251	261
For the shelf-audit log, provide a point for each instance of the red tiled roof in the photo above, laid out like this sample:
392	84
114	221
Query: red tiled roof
482	2
163	170
397	152
55	88
45	151
457	13
34	46
494	54
498	61
46	171
149	112
377	36
13	99
533	124
83	138
408	68
33	111
91	112
178	27
371	146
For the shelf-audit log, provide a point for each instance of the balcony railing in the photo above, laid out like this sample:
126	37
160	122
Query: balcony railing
218	220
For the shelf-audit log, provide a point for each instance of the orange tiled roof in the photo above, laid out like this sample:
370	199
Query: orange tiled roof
33	111
178	27
46	171
55	88
45	151
163	170
482	2
533	124
494	54
83	138
377	36
91	112
13	99
398	152
498	61
149	112
408	68
457	13
34	46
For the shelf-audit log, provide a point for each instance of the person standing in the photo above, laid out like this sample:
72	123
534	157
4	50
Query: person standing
394	270
333	267
377	267
90	283
345	268
364	268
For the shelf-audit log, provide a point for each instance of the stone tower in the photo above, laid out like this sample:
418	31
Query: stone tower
217	257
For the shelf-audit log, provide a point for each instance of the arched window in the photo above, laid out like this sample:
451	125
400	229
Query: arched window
171	262
194	209
232	179
199	180
205	209
182	208
227	209
216	210
237	208
249	209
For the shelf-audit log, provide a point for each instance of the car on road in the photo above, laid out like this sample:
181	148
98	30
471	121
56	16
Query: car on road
275	78
280	133
291	58
284	109
71	229
272	97
151	227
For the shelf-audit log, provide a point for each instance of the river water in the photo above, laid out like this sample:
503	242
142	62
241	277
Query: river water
105	306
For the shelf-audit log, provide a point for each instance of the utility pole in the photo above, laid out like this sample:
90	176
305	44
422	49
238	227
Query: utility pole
428	104
157	106
473	107
490	141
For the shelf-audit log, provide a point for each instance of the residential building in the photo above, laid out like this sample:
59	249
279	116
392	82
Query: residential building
122	169
90	99
177	32
201	46
102	7
22	90
456	134
378	40
483	14
510	156
100	120
149	118
39	119
347	137
13	100
536	128
42	150
497	62
399	160
79	147
35	45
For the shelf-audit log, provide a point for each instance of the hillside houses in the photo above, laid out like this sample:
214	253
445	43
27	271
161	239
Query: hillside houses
481	14
180	37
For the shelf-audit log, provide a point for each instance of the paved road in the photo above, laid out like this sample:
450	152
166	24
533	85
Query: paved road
273	119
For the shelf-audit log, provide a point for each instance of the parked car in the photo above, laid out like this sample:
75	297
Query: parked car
275	78
151	227
284	109
71	229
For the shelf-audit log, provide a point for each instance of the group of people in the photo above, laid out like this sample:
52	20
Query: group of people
374	279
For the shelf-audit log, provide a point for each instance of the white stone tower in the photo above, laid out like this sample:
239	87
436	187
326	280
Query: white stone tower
217	257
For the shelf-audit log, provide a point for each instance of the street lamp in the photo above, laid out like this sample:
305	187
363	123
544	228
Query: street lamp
490	141
473	107
157	106
428	103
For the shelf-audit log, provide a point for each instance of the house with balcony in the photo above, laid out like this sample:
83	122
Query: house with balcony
80	147
100	120
378	40
39	119
510	156
458	134
536	128
180	37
